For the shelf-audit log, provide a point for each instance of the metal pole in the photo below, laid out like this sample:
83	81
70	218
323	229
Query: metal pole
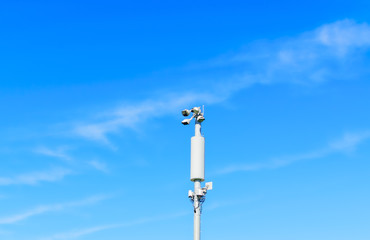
197	190
198	128
197	210
197	167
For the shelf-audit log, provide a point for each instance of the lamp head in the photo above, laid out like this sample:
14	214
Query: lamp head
200	118
186	121
196	110
185	112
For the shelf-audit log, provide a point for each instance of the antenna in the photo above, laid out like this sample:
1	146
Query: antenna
197	166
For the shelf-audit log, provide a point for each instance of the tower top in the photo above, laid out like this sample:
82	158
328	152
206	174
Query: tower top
198	115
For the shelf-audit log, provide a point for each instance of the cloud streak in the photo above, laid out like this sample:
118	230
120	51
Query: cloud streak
331	52
130	115
346	144
87	231
51	208
34	178
57	153
82	232
98	165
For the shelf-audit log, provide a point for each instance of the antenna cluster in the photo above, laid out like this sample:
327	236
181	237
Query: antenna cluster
197	115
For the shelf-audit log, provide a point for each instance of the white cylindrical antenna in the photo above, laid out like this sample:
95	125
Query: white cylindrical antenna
197	158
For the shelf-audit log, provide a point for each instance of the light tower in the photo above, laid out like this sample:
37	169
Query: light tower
197	166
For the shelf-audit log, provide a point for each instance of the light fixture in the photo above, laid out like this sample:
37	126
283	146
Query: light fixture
196	110
200	118
185	112
186	121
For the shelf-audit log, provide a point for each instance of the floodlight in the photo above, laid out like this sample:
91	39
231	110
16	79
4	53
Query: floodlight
200	118
186	121
185	112
196	110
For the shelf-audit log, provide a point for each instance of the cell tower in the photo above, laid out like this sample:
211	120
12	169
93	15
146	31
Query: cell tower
197	166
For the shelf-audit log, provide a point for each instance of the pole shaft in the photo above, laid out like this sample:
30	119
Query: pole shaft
197	188
197	129
197	224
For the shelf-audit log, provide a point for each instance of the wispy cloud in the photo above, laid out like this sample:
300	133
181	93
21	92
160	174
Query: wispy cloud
347	143
51	208
34	178
331	52
344	35
130	115
82	232
57	153
86	231
98	165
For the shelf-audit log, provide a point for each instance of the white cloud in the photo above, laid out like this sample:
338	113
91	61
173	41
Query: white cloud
130	115
58	153
33	178
50	208
347	143
331	52
98	165
82	232
343	35
86	231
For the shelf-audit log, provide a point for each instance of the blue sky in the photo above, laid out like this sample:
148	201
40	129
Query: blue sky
92	144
